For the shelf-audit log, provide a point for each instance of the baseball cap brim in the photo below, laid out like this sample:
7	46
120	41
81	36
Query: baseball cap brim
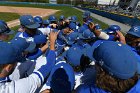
46	23
33	26
133	33
9	32
89	51
53	20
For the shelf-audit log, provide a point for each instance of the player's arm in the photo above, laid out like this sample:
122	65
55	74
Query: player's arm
100	34
36	79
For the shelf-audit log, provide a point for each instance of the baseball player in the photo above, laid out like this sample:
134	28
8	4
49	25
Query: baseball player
53	22
39	20
29	26
46	23
74	20
26	67
86	17
52	25
111	70
112	30
61	79
4	31
132	38
101	34
75	57
61	23
8	61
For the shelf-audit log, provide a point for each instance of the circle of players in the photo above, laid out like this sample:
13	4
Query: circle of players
64	56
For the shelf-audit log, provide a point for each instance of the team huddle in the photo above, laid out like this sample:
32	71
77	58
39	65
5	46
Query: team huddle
64	56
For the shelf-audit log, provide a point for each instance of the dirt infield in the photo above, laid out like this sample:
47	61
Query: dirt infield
26	10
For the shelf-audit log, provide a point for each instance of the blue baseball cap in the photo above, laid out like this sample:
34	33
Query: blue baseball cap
135	30
86	14
81	29
5	29
40	39
28	22
23	45
117	59
73	55
3	22
87	34
8	53
89	49
113	29
62	78
46	22
72	26
38	19
72	37
62	17
52	18
74	18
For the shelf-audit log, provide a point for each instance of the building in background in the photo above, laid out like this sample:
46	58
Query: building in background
128	3
103	2
53	1
107	2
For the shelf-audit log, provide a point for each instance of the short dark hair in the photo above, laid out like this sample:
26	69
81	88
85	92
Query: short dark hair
112	84
130	39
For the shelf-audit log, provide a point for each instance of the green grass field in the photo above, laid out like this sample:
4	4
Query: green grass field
8	16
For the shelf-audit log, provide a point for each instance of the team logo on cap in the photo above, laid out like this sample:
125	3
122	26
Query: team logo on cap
37	18
136	29
101	62
31	20
119	44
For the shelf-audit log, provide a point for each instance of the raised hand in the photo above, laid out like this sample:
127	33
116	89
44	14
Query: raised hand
52	39
121	37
